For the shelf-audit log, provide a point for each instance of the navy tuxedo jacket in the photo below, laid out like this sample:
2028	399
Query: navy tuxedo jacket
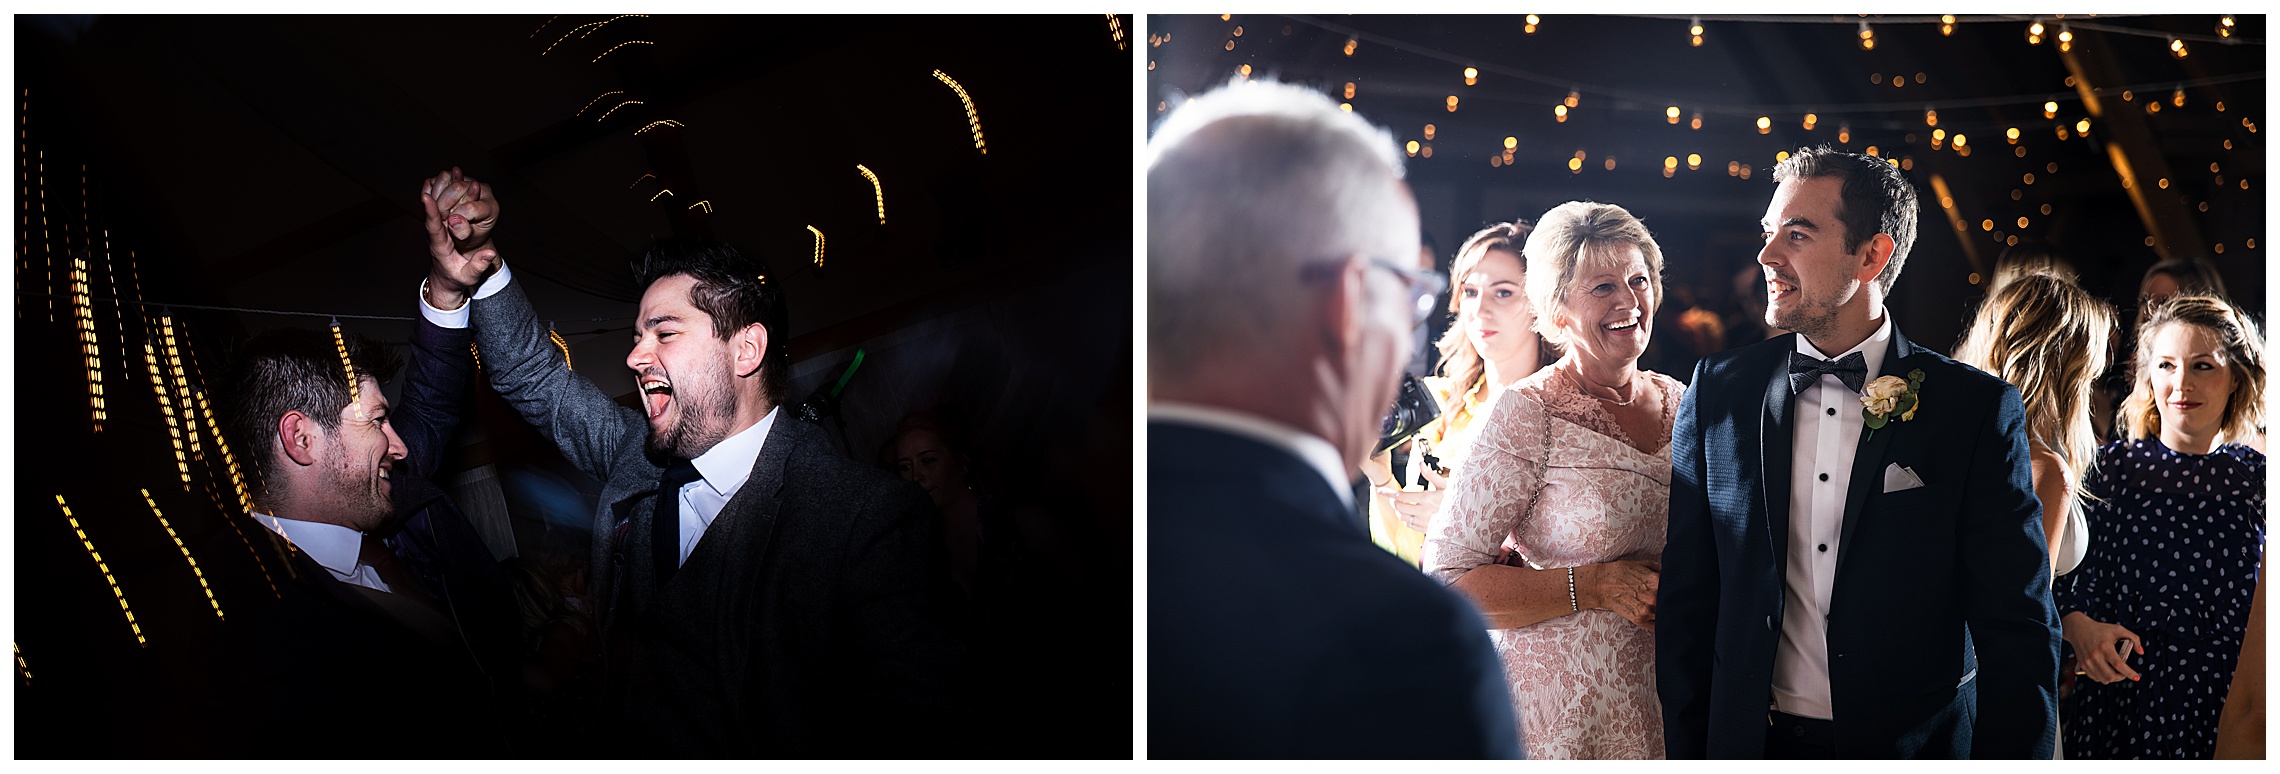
1277	630
1941	635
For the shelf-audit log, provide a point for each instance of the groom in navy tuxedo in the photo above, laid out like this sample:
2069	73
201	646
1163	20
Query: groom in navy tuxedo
1856	565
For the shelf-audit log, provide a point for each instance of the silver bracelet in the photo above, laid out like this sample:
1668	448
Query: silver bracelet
1572	608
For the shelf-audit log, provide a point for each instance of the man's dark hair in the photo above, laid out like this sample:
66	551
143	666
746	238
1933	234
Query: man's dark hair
1876	199
290	369
733	288
2194	277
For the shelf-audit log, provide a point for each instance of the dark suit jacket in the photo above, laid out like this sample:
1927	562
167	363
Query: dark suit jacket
1277	630
1942	639
814	619
431	538
331	670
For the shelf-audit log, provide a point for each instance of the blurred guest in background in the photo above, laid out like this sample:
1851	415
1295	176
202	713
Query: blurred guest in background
2180	276
2047	336
2156	614
1572	472
1283	295
2028	259
1492	345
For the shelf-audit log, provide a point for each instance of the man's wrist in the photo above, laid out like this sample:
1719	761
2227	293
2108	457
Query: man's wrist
444	294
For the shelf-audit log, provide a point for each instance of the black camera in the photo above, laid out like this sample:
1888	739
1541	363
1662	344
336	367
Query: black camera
1413	409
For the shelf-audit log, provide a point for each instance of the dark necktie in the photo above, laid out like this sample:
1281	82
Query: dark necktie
375	554
665	522
1804	369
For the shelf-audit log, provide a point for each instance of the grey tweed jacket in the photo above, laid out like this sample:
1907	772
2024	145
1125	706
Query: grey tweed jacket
816	612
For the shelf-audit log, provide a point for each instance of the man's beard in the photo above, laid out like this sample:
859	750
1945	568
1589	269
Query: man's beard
1813	314
704	405
358	498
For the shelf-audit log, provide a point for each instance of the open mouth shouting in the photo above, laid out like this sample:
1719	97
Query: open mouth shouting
656	394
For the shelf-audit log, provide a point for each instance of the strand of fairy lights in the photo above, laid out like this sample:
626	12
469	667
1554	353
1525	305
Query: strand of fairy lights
154	511
107	578
245	498
973	119
24	165
111	271
613	49
574	31
877	192
661	193
559	343
475	353
613	109
637	181
166	405
818	245
706	204
47	249
355	390
655	124
181	383
597	101
21	665
1116	31
84	316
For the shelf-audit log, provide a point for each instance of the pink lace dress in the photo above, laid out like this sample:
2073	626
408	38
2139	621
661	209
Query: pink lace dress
1583	684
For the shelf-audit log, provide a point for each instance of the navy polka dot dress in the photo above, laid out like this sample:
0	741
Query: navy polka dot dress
2174	549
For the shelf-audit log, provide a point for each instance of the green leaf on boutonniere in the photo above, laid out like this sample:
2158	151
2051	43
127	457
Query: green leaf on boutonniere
1874	422
1906	403
1915	379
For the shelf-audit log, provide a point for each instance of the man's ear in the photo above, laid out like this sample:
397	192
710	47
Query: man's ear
1343	312
749	349
1880	249
299	435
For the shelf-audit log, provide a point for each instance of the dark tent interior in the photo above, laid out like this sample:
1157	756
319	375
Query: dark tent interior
945	202
2115	141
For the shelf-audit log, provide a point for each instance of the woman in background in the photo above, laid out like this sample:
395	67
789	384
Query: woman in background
1492	345
2155	615
2047	336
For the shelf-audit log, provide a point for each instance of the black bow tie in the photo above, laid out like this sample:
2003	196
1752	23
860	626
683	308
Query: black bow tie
1804	369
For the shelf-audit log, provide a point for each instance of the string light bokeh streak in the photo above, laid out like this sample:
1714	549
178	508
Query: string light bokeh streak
166	406
559	343
973	119
182	384
107	578
154	511
84	317
355	390
818	245
877	192
244	497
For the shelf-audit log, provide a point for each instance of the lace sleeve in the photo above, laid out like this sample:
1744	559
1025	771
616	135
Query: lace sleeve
1492	493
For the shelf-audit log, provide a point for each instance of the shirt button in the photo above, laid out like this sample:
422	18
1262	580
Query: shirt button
1832	411
1824	477
1769	622
1824	548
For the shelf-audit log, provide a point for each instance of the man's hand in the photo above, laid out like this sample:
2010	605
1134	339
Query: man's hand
459	214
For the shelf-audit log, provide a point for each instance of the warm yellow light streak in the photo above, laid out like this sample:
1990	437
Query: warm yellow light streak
542	26
154	511
115	592
613	49
877	192
818	245
555	337
637	181
973	119
661	192
613	108
597	101
166	405
655	124
348	369
21	665
1116	31
182	383
84	318
475	353
244	497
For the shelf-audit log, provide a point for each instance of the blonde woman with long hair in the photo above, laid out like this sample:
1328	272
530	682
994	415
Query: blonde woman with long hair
2048	337
1491	345
2157	611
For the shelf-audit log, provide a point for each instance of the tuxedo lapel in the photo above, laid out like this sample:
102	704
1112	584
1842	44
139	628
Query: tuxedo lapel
756	503
1868	456
1775	438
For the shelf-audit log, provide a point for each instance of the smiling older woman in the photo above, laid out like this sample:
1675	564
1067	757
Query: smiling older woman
1556	525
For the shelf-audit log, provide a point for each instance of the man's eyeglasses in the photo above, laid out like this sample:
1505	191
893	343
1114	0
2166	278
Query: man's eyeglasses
1425	287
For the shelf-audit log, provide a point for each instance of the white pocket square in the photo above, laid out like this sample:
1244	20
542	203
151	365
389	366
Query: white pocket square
1897	479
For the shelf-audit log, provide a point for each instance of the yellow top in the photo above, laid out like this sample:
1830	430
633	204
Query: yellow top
1450	441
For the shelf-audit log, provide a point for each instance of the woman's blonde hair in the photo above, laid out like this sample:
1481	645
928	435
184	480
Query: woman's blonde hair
2048	337
2244	354
1562	238
1459	360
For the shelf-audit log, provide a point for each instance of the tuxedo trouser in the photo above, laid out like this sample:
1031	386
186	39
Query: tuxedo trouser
1797	738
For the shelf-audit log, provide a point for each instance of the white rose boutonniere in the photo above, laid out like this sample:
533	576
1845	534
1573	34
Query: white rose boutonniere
1887	395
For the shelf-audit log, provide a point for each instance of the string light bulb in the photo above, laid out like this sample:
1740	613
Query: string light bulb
1694	161
1429	131
1947	24
1452	103
2082	126
1411	147
1532	22
2225	26
1671	114
1695	123
2177	48
1867	37
1574	99
2012	135
877	192
2035	33
1694	29
1810	120
1931	117
2065	39
2177	97
973	119
1472	76
2050	109
106	568
1559	113
1765	124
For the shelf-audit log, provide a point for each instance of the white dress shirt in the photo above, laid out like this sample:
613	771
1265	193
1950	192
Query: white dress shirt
335	547
723	469
1824	437
1317	453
